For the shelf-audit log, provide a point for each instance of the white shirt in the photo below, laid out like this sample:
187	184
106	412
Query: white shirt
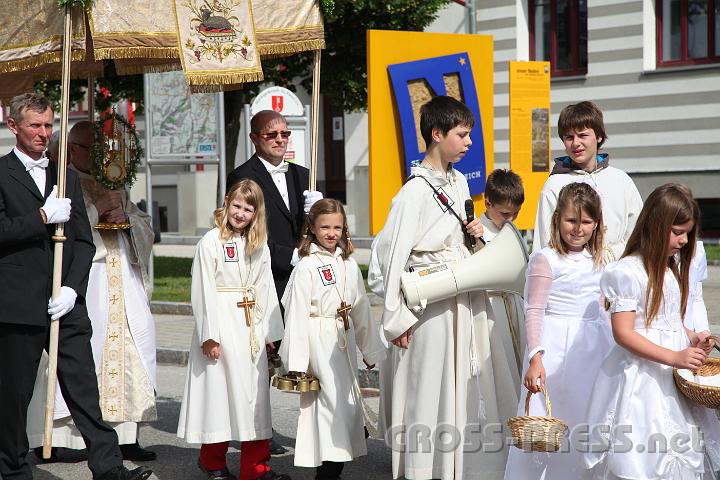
278	176
37	173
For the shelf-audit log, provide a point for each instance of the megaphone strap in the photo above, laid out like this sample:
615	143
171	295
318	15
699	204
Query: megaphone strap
441	197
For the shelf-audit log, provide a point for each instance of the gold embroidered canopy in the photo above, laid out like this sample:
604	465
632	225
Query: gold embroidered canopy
216	42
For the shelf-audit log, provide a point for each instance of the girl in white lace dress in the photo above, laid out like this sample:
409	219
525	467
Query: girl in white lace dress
568	334
641	426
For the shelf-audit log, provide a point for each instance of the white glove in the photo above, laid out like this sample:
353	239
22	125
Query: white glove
57	210
295	258
311	196
62	304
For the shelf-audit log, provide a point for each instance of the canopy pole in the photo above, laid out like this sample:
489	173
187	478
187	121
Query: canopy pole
91	98
315	121
59	236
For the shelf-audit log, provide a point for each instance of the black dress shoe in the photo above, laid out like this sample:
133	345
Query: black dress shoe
223	474
122	473
135	453
53	455
274	476
276	448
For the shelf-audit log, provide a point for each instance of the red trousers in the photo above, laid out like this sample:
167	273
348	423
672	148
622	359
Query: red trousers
254	456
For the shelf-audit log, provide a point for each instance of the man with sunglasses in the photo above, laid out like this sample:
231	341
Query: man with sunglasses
287	199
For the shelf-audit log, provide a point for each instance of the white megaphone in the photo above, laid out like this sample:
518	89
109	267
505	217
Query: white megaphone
500	265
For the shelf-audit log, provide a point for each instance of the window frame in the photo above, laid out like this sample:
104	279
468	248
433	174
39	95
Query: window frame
574	48
684	60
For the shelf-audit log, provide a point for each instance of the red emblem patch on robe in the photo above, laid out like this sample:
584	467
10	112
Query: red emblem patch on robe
327	275
443	200
230	251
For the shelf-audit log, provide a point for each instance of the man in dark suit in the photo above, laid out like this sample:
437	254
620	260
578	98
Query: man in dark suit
284	186
287	200
29	208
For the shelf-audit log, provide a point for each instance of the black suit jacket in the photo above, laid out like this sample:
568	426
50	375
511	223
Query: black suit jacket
26	246
284	226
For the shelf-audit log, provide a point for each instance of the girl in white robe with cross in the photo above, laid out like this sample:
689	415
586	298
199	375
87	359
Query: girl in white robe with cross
227	396
328	317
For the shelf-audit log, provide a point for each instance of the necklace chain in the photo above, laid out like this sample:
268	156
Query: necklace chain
244	283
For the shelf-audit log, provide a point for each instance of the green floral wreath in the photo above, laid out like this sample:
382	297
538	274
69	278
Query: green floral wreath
99	152
72	3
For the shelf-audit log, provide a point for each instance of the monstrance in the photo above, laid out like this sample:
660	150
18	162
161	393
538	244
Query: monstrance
115	155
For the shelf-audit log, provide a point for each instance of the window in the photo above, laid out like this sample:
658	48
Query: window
558	34
688	32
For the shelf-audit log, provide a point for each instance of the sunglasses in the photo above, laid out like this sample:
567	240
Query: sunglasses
273	135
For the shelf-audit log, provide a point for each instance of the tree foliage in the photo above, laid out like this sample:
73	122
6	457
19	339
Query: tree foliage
344	61
109	88
343	68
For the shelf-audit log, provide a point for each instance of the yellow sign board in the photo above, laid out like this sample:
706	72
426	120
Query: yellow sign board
386	160
530	132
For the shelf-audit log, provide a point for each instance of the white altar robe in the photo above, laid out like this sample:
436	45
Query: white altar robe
621	205
135	246
229	398
330	426
508	312
435	398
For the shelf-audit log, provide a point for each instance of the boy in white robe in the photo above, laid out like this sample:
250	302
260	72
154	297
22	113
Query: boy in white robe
321	339
227	396
582	130
440	389
504	196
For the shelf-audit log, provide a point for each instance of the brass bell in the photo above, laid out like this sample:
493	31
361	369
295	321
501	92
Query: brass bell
296	382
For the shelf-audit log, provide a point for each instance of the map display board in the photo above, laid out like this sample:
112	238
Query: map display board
181	124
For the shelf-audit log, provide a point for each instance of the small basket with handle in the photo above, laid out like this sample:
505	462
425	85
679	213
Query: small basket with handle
537	433
705	395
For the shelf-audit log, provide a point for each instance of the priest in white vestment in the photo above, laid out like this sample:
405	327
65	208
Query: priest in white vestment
123	340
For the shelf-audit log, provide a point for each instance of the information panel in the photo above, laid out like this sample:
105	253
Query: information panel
530	132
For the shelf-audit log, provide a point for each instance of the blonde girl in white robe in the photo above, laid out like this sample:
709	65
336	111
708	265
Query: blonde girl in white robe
568	332
227	396
641	426
318	342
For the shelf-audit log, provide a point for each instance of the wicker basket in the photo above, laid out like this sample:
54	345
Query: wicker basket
706	395
537	433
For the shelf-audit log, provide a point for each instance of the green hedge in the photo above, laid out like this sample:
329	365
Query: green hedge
172	279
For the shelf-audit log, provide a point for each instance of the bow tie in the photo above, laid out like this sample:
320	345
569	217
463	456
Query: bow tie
282	168
42	163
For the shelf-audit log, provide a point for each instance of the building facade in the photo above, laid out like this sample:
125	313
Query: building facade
652	66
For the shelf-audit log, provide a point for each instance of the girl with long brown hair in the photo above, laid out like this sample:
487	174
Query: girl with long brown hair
327	315
634	398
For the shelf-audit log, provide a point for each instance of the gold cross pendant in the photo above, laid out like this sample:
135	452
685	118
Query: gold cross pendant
344	312
247	304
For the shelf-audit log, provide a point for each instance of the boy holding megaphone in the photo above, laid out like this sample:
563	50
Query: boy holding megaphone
441	393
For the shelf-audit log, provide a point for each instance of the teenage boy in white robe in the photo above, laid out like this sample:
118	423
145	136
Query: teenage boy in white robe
582	131
441	394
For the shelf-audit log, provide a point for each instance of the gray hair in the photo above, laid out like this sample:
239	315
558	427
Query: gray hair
27	101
